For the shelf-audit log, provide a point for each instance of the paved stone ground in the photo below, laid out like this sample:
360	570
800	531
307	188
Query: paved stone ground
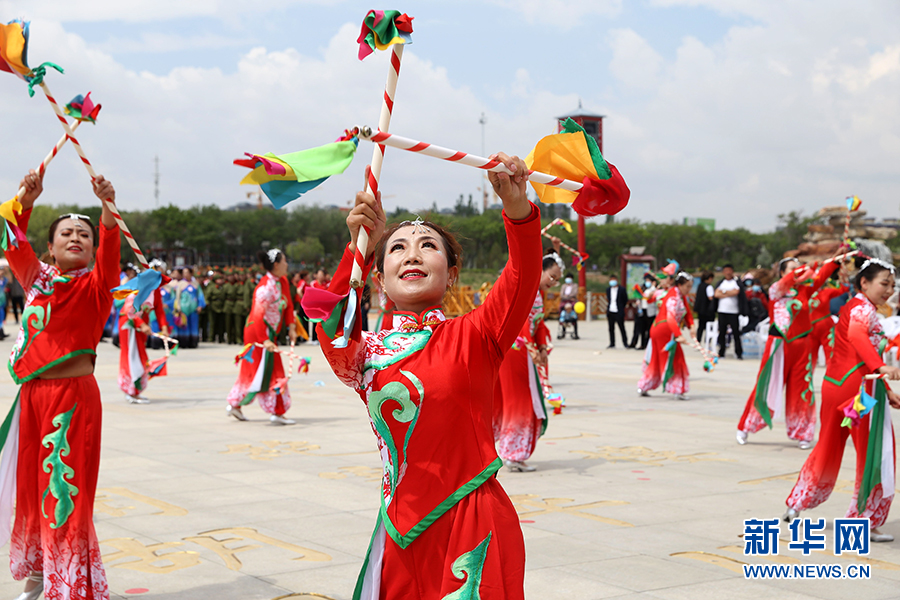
633	497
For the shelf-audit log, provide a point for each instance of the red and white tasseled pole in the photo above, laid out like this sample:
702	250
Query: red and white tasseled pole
551	224
47	159
90	169
563	244
463	158
384	123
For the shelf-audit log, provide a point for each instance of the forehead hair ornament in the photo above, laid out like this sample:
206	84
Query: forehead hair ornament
418	225
77	218
559	261
687	276
879	262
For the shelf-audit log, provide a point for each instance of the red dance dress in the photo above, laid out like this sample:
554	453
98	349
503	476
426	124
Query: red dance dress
822	335
520	412
858	338
56	423
262	374
784	382
134	366
446	527
660	366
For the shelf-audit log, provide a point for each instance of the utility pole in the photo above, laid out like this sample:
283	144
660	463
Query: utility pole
486	183
156	180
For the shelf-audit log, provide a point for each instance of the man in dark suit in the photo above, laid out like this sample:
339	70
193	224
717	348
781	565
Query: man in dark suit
616	298
704	304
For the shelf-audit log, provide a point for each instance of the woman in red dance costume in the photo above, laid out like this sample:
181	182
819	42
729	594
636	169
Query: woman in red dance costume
822	335
446	527
52	449
134	328
262	376
787	362
857	352
663	366
520	412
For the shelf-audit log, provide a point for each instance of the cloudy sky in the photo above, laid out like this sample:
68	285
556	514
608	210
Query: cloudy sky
736	110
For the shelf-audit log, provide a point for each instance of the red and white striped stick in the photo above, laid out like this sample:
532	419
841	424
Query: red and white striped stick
471	160
876	376
563	244
90	169
47	159
841	257
384	123
559	222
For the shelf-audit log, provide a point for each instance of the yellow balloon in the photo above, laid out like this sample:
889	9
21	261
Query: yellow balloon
579	307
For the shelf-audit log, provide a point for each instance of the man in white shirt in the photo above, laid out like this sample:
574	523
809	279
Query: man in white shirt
732	302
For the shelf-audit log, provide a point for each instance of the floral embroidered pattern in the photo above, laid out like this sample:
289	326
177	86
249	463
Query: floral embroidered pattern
865	314
60	472
269	295
407	413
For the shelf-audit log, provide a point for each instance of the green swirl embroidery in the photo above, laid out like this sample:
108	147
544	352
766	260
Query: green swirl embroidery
59	471
809	394
34	320
408	412
48	291
469	566
394	342
831	338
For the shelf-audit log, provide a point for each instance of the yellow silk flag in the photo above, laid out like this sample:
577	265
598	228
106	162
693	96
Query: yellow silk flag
565	155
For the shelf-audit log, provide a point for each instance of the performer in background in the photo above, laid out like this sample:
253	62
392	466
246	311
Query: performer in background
134	329
52	450
822	323
428	388
262	375
859	341
520	410
662	366
786	366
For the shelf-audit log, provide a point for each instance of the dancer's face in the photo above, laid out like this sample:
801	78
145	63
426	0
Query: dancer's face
685	287
280	268
73	245
416	274
550	277
880	288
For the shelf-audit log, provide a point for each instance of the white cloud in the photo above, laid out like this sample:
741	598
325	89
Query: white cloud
793	112
635	63
198	120
138	11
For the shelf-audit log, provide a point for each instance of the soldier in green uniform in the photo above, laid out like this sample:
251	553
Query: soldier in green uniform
231	296
206	284
215	298
241	308
248	289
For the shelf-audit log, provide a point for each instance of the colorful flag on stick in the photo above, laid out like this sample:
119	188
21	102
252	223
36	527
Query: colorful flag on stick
12	234
82	108
285	178
853	203
14	55
574	155
382	29
14	48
